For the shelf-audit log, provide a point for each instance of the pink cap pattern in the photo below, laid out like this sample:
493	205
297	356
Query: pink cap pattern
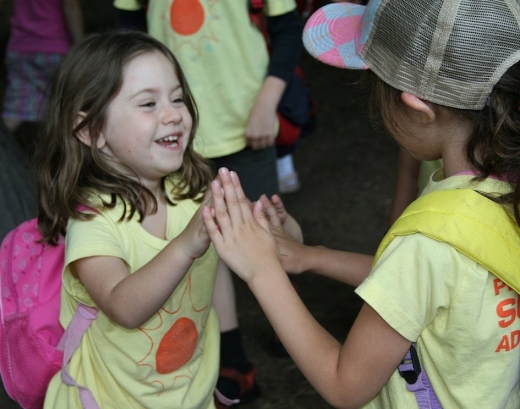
337	33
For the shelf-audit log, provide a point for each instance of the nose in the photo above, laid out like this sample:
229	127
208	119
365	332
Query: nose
172	114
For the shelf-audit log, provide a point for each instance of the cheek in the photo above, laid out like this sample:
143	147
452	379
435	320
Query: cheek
188	121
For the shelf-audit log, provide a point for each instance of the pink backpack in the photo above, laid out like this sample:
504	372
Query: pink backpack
33	344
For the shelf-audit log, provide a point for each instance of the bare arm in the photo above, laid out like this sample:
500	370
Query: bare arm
260	128
296	257
131	299
346	375
74	18
347	267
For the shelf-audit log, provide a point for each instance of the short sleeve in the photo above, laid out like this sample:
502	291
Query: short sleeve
96	237
415	279
129	5
278	7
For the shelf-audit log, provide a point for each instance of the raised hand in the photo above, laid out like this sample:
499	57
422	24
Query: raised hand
279	207
240	234
195	238
288	237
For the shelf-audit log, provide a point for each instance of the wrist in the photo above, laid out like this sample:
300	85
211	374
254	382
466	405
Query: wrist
271	276
311	257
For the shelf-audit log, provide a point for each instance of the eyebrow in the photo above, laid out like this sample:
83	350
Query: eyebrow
152	90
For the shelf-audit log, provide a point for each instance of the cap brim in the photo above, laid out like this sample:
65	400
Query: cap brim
332	35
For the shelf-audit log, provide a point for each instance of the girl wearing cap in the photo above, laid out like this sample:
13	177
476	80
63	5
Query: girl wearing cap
444	280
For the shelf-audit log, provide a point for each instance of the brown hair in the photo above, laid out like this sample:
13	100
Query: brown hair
67	171
494	145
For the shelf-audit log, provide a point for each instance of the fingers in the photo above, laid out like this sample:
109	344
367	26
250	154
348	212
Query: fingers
243	201
270	210
279	206
207	200
259	142
212	227
236	201
219	213
259	215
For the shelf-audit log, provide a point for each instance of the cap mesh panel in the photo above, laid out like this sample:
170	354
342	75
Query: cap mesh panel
415	47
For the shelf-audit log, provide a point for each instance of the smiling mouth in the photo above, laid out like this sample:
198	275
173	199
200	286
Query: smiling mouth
171	141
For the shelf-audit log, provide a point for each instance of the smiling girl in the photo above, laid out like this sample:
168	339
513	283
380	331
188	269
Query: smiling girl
118	171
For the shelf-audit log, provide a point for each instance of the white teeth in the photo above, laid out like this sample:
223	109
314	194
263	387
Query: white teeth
170	138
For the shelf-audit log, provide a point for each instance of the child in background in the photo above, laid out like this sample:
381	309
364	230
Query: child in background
117	170
446	77
41	34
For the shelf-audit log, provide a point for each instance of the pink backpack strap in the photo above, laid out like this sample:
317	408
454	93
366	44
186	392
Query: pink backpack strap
70	341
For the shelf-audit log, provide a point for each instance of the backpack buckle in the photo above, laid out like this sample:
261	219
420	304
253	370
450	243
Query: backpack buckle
410	368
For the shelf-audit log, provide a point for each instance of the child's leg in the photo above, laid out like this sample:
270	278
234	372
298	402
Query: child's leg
225	291
237	374
288	181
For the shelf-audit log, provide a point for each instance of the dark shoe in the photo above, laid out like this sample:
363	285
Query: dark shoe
244	384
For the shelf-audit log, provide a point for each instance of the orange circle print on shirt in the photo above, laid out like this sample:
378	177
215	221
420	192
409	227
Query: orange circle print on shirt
190	22
186	16
177	345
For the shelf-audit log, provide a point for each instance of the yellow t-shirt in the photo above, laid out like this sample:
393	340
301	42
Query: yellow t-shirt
169	362
464	319
224	57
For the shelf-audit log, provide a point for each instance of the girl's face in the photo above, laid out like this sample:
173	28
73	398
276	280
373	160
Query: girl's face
148	124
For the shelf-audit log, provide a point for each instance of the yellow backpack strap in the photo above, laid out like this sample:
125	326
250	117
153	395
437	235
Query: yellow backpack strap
470	222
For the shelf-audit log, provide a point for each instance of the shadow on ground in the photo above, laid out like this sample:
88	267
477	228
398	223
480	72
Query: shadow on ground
347	172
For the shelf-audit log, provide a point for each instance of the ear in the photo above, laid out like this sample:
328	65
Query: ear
424	108
84	135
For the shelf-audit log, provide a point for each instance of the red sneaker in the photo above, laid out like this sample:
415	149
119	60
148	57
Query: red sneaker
247	388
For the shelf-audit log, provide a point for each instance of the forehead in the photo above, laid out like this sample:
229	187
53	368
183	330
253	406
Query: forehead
149	66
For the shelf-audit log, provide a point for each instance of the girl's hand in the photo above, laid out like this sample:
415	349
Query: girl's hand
260	126
290	247
195	237
277	205
241	237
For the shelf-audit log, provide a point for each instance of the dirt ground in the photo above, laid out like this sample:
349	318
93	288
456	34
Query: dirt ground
347	171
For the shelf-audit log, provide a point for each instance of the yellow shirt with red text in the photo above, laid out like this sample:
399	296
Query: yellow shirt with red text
466	322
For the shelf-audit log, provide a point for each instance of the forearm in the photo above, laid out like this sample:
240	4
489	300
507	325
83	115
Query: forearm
314	350
145	291
74	19
131	299
271	93
347	267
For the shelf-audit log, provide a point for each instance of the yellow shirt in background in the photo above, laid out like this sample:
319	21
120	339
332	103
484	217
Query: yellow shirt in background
224	57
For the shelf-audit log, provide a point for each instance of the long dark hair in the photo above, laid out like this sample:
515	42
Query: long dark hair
67	171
